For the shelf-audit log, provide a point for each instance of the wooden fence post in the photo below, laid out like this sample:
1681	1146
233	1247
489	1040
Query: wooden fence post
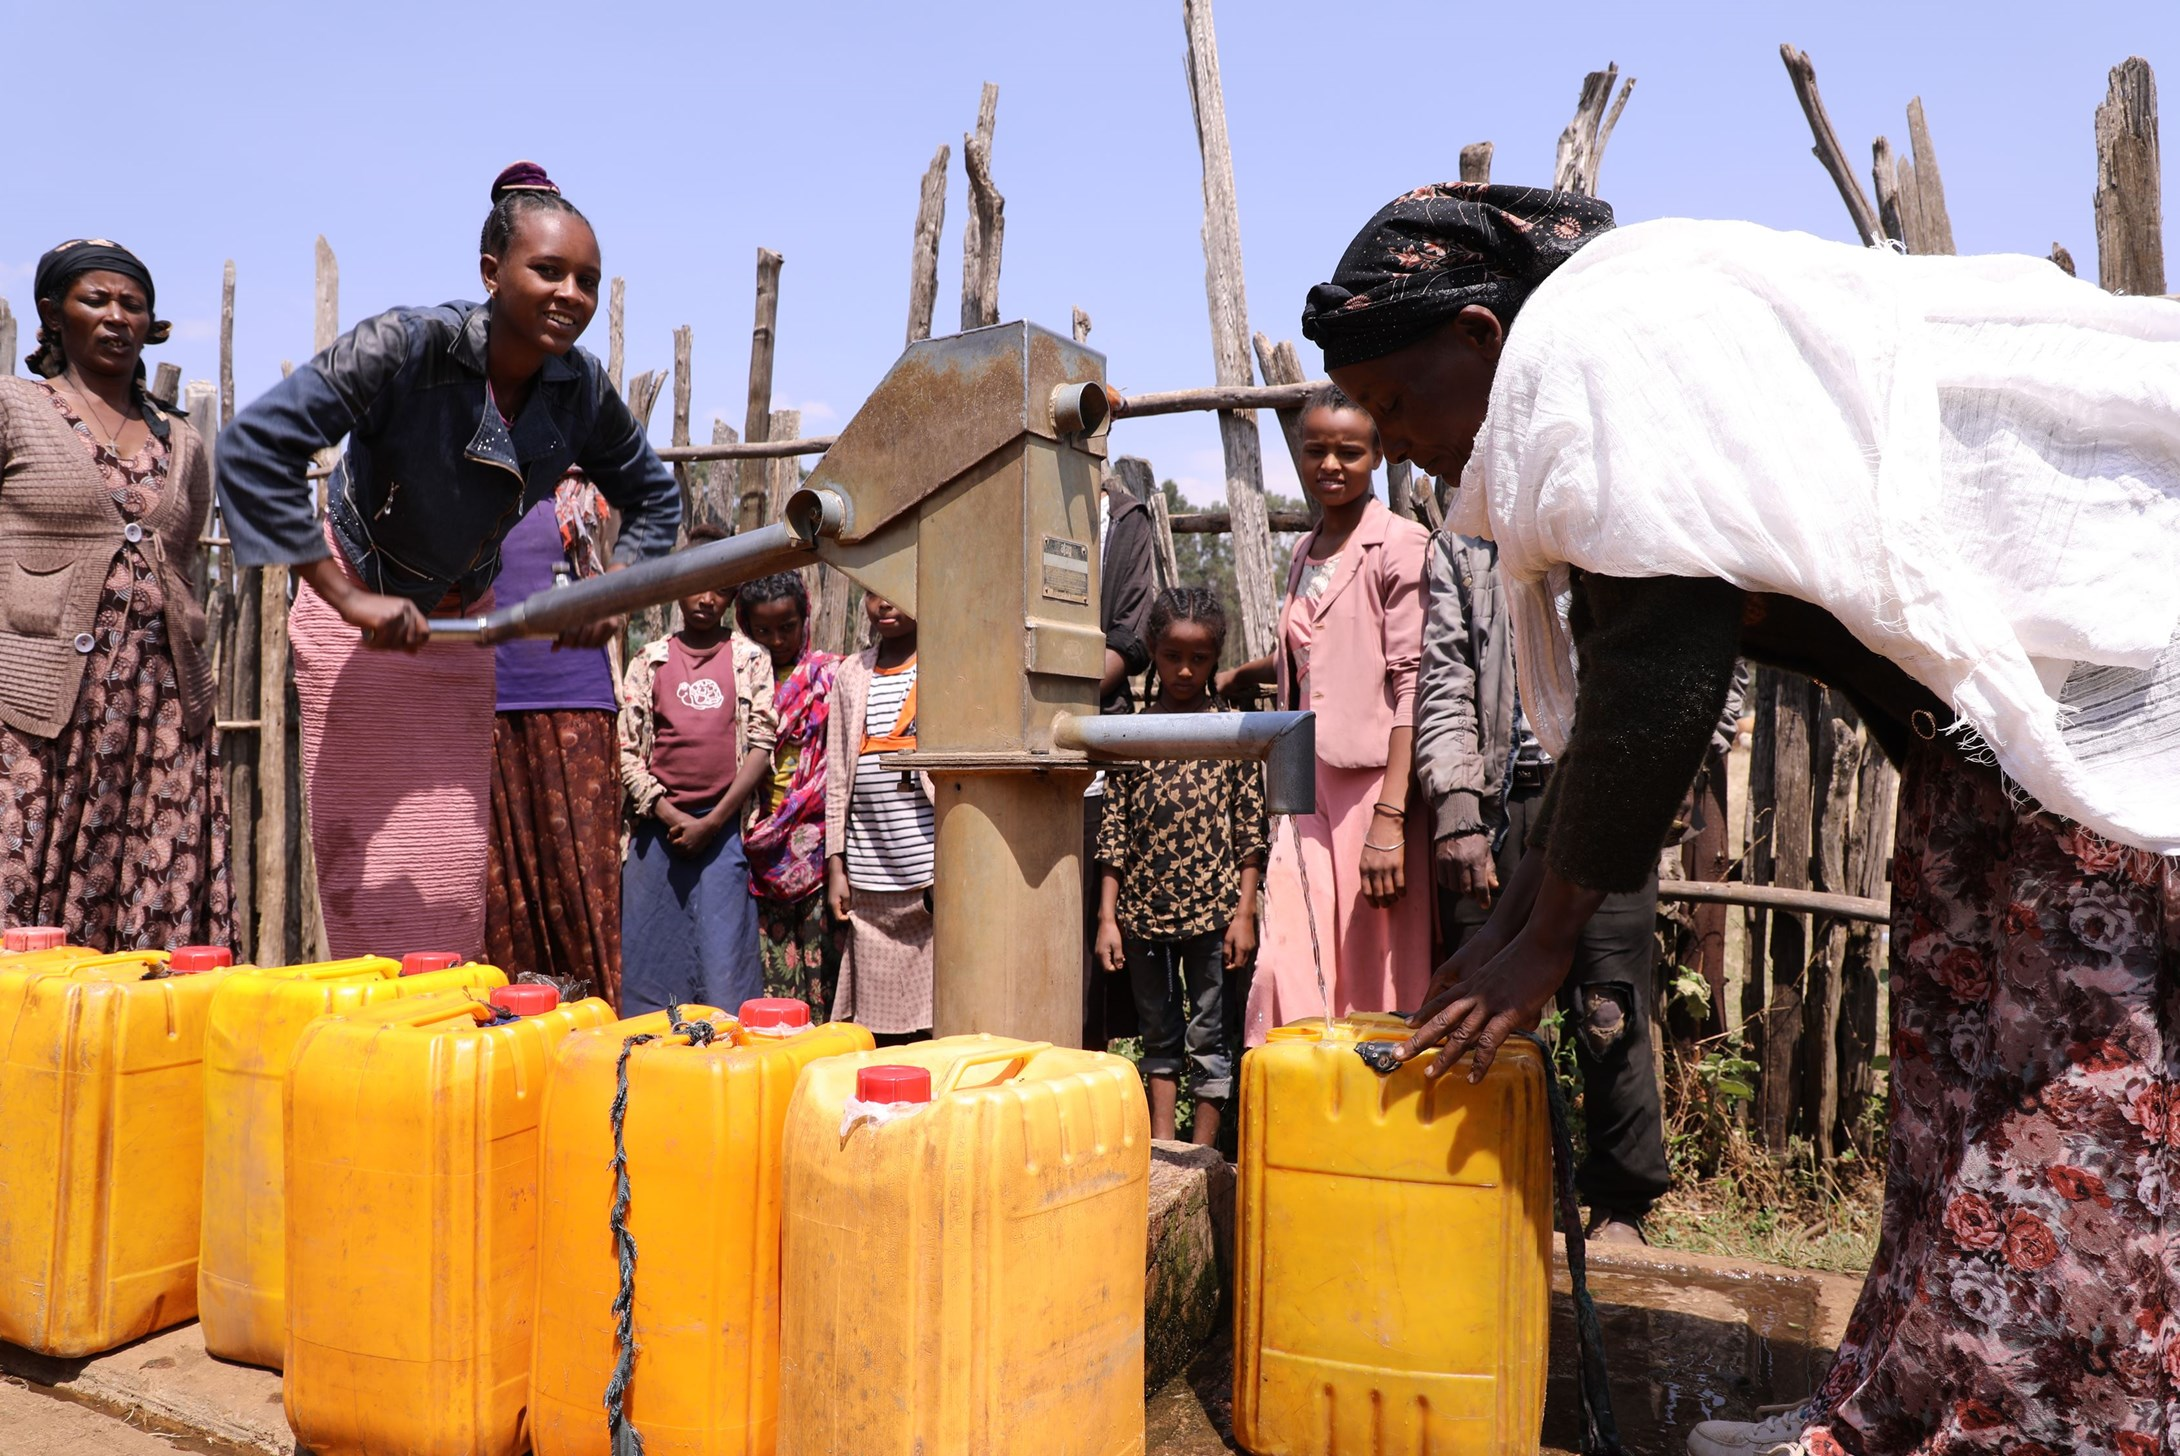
1230	334
717	479
1280	364
648	623
1795	709
785	471
304	910
684	366
1582	145
1869	853
2130	227
1139	480
7	339
615	337
1399	489
166	385
984	230
227	342
1082	325
749	511
1836	751
1758	868
1803	73
1911	195
923	254
1935	223
1476	162
239	698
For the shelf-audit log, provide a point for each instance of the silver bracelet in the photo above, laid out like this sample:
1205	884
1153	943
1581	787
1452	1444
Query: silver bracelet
1387	848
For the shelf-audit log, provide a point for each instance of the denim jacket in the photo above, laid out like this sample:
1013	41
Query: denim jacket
433	478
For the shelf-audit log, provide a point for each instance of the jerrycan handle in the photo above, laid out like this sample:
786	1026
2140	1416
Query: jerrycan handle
714	1028
1017	1057
484	1013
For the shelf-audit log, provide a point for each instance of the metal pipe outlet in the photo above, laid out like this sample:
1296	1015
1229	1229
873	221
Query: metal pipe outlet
715	564
1285	742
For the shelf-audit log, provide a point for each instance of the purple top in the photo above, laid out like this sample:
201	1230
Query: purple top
532	675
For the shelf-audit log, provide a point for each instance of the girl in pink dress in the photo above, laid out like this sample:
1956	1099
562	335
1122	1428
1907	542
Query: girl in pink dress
1351	632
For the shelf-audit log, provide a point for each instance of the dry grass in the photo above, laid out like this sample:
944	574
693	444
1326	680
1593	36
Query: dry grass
1760	1217
1732	1197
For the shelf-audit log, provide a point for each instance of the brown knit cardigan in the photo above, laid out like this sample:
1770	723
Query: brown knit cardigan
59	530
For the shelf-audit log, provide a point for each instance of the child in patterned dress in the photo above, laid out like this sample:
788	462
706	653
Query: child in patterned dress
1179	854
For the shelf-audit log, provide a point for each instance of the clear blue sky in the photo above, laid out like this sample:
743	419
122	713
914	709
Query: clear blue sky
693	133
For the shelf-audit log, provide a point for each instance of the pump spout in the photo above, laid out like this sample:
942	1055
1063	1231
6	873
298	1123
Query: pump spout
715	564
1285	742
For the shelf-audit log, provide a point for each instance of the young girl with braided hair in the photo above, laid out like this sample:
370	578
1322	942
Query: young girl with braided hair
1179	852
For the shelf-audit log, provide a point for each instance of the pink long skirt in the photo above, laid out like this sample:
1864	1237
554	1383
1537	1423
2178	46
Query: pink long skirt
1373	959
397	755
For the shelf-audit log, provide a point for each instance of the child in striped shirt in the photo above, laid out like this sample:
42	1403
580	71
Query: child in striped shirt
879	836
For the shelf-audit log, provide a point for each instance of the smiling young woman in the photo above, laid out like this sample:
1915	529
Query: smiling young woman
113	822
459	420
1347	917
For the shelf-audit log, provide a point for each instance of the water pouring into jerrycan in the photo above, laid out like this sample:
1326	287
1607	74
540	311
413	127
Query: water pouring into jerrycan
1394	1239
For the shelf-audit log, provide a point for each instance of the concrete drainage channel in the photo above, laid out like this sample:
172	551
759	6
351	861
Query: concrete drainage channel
1689	1338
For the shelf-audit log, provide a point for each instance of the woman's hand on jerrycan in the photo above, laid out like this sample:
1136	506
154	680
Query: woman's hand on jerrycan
1502	979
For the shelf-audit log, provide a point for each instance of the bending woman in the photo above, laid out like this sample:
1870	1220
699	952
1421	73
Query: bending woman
459	420
1347	894
113	825
1948	487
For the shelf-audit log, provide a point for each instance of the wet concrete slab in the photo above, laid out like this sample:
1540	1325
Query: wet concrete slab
1688	1337
167	1382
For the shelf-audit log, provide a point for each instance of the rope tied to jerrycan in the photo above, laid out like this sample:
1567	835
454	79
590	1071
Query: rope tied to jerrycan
627	1441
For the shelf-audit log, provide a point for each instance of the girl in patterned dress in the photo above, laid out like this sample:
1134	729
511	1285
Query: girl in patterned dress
1180	849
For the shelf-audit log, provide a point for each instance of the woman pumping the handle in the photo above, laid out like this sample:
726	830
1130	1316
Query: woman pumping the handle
459	419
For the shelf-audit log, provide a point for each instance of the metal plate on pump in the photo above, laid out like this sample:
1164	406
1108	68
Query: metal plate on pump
1066	570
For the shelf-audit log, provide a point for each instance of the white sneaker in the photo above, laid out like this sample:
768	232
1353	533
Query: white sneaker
1777	1435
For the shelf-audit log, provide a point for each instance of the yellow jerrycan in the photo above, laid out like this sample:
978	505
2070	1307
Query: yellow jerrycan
961	1255
412	1220
1392	1272
101	1145
701	1137
257	1018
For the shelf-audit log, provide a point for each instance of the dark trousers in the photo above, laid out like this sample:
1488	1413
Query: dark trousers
1180	1007
1624	1168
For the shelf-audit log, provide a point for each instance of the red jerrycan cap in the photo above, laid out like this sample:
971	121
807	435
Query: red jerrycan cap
187	960
416	962
773	1013
34	937
893	1084
526	1000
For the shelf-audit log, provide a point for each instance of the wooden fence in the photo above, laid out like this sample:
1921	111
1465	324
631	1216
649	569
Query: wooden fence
1812	882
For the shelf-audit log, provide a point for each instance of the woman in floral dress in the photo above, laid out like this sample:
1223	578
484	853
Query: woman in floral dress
114	822
1949	489
787	846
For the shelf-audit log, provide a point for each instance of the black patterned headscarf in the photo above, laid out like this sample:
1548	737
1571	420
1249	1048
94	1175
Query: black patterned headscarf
1430	253
69	261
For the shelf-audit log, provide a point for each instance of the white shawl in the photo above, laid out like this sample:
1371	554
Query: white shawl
1972	463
